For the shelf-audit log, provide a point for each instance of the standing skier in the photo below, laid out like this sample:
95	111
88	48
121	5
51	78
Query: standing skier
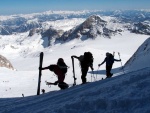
109	59
60	70
86	61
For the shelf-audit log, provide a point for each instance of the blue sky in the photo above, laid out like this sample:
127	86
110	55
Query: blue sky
29	6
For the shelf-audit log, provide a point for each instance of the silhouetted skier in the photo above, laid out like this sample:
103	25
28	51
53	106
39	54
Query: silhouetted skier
86	61
109	59
60	70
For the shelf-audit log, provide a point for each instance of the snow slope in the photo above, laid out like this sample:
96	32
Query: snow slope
127	93
25	59
124	93
140	57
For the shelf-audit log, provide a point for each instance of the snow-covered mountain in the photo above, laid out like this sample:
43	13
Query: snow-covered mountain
22	23
141	28
140	57
92	27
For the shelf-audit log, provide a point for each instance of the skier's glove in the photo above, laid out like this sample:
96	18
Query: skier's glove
40	68
56	83
92	68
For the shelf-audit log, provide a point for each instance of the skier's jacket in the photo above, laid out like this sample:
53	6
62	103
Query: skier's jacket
86	60
60	74
61	64
109	60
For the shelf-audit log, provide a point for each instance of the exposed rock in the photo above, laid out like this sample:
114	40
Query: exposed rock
52	34
5	63
33	31
141	28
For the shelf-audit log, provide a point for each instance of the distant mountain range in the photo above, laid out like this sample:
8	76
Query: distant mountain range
22	23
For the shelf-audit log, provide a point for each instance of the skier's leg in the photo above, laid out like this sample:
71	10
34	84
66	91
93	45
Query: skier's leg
83	76
108	69
63	85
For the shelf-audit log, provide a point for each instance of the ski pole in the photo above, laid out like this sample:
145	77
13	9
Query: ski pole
121	63
113	53
92	76
97	72
47	84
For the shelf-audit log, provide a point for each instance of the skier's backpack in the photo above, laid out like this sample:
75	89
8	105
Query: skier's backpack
61	64
111	58
86	59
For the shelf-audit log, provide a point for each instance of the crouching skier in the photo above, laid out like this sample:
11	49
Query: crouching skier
60	70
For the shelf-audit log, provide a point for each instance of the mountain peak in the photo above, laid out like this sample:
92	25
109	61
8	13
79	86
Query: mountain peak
94	20
92	27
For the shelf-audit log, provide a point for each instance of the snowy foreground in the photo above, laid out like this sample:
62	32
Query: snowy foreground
123	93
127	93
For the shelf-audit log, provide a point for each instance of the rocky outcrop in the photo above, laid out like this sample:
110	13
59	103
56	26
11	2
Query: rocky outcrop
5	63
51	35
33	31
141	28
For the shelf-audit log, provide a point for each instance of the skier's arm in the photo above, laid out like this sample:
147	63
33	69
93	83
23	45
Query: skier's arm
117	60
56	82
74	57
102	62
44	68
92	67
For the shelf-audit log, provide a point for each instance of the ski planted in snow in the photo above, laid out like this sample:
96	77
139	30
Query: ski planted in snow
40	73
73	72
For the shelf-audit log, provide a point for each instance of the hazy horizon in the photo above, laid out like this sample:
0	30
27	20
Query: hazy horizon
9	7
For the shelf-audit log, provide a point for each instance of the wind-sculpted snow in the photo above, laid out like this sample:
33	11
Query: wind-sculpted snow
127	93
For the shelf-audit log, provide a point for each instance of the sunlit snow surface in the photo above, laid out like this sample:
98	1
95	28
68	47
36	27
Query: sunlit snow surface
124	93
